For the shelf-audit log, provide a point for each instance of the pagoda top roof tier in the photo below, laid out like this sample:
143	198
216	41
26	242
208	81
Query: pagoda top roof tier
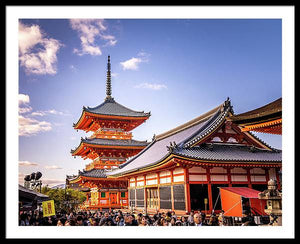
111	107
98	117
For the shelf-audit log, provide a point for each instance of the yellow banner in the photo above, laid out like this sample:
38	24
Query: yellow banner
48	208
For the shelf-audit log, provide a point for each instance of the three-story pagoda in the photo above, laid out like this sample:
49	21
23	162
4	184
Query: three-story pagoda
109	146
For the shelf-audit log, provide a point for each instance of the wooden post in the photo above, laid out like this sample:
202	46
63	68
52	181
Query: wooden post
249	178
267	174
229	177
187	190
172	193
158	192
210	200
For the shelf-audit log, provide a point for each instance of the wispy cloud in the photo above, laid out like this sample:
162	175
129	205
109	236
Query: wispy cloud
73	68
29	126
27	163
151	86
24	104
133	63
37	53
47	112
52	167
89	30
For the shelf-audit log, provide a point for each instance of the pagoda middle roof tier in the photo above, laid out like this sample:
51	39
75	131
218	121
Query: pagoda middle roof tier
110	110
113	144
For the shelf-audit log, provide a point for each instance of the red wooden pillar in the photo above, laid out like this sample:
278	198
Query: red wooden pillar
158	195
187	190
135	202
210	200
172	193
267	174
145	194
249	178
229	177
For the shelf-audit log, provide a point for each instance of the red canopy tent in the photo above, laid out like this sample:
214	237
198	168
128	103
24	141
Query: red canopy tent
232	201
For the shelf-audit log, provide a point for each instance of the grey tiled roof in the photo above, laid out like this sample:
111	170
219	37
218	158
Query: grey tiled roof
211	124
157	150
188	135
95	173
223	152
111	107
114	142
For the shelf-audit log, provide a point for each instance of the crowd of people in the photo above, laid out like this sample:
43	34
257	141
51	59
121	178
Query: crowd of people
123	218
119	218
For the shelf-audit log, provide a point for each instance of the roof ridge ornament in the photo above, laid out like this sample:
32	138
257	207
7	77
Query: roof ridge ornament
227	105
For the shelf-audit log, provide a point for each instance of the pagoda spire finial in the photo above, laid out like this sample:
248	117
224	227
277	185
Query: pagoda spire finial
108	80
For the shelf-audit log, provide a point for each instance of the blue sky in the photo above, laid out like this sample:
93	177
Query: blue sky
175	68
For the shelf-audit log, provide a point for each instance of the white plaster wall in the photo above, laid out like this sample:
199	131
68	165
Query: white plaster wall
257	171
218	177
218	170
197	170
197	178
238	170
239	178
179	178
256	178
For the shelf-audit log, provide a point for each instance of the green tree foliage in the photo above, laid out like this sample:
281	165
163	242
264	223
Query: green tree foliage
64	199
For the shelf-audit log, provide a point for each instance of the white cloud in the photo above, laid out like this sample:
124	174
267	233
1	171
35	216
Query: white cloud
23	104
89	30
27	163
29	126
151	86
29	36
25	110
23	99
133	63
47	112
37	54
53	167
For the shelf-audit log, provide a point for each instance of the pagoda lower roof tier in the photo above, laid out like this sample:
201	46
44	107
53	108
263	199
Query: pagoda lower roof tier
94	173
110	114
94	177
95	147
